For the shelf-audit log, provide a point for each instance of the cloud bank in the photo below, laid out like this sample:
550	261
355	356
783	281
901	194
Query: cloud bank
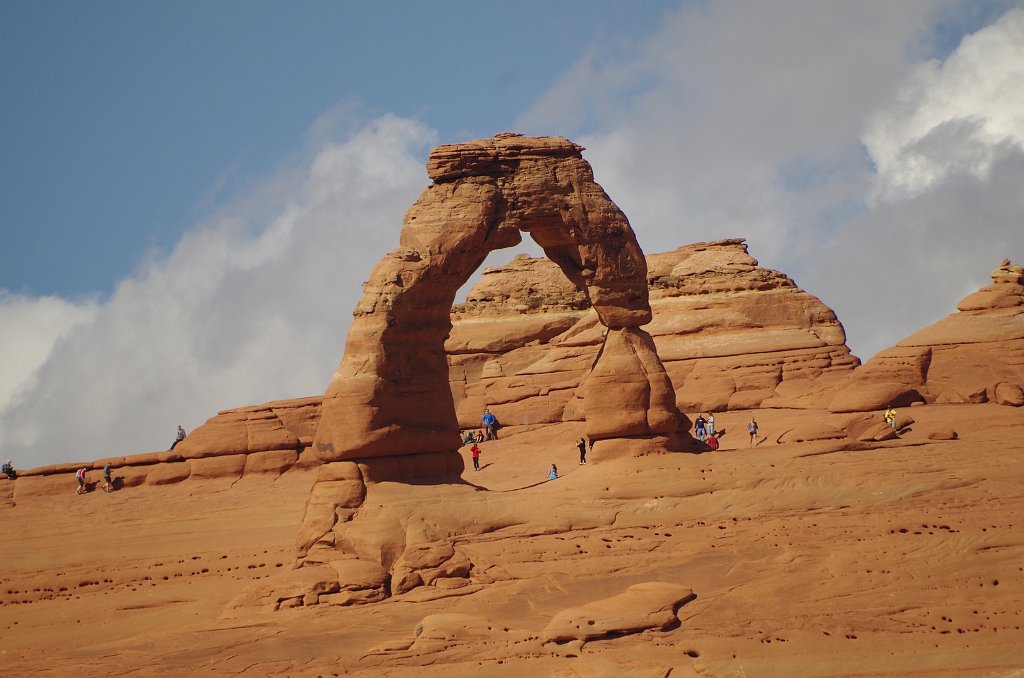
251	305
883	178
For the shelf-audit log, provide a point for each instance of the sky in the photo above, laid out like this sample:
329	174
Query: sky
192	193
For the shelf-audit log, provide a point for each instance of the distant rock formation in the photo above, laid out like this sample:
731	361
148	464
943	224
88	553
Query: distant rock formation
390	395
731	335
975	355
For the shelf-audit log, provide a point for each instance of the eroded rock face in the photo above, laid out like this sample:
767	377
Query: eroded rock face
730	335
973	356
390	395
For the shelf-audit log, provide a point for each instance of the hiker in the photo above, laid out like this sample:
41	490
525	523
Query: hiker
752	429
468	438
8	470
108	484
582	445
479	436
80	477
475	451
700	423
178	438
890	418
711	423
490	423
553	472
712	442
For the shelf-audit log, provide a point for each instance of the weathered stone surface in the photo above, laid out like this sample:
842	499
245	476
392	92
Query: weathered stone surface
645	606
730	335
273	426
390	395
973	356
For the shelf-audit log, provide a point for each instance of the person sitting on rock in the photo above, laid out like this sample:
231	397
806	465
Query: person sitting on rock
712	442
479	436
8	470
469	438
178	438
553	472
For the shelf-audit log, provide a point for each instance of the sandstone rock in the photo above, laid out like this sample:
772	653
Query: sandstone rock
1007	394
286	589
651	605
273	461
273	426
230	466
166	474
390	395
811	431
866	395
943	434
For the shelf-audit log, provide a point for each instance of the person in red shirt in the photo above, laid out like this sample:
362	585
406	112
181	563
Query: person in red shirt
475	451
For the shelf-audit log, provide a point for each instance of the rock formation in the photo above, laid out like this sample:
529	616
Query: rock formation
390	395
731	335
975	355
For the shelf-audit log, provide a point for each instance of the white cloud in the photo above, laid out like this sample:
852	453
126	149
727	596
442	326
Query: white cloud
32	326
251	305
953	116
756	119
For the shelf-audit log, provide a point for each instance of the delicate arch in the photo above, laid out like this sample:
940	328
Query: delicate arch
390	394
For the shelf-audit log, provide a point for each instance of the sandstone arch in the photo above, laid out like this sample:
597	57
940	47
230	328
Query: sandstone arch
390	394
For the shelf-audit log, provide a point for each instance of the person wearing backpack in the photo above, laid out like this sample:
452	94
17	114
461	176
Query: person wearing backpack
80	477
699	424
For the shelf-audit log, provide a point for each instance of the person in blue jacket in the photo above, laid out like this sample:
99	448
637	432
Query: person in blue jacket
490	423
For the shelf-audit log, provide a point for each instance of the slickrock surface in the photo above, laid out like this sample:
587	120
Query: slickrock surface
826	558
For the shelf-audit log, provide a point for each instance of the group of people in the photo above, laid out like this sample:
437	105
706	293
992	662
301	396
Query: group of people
83	482
490	432
704	430
108	481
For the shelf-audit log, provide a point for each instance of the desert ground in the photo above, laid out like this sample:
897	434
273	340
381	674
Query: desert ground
825	558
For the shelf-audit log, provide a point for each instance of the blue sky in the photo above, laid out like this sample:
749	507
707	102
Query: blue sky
124	122
191	193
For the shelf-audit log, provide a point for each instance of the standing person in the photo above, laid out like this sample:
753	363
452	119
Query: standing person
582	445
700	423
80	477
712	442
489	422
553	472
711	424
752	430
475	451
108	484
178	438
890	418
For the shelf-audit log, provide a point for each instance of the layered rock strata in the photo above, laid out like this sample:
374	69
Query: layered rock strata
390	394
973	356
731	335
